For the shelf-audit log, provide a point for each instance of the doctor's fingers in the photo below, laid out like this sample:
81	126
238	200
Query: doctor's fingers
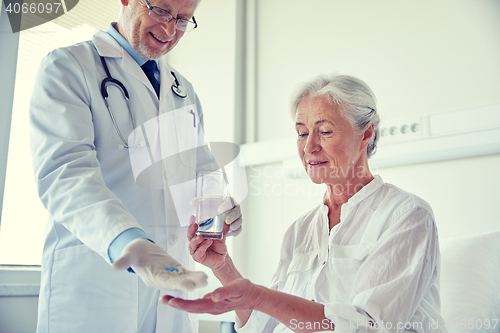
227	205
122	263
233	215
236	232
186	281
235	225
127	259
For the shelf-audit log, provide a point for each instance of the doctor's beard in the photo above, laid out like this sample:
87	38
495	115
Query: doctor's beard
141	46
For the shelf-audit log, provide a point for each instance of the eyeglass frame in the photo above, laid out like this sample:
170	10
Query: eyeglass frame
171	17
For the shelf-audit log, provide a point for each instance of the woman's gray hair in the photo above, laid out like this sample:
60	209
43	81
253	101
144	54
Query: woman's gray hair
356	100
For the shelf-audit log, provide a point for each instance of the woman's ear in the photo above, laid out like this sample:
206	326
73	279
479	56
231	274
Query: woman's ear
367	136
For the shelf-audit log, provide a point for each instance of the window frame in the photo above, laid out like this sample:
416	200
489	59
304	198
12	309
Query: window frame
8	65
9	43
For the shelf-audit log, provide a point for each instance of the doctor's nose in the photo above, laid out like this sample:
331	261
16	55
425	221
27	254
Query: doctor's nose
170	28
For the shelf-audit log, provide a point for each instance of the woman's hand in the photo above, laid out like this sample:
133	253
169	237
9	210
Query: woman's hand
240	294
210	252
244	297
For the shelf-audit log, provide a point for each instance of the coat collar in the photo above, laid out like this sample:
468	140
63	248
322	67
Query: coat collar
107	46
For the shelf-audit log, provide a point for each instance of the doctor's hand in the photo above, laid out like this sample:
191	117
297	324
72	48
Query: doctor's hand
150	262
233	215
208	252
232	211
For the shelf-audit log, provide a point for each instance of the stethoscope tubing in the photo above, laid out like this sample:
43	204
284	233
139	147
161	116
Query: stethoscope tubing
104	92
176	88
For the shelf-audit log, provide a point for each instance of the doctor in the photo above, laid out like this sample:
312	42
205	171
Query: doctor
99	213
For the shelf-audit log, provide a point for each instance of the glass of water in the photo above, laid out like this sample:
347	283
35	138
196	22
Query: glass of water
211	192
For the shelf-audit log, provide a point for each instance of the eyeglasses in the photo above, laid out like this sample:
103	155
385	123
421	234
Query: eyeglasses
162	16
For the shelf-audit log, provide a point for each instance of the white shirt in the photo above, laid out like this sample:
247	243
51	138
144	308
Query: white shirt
379	265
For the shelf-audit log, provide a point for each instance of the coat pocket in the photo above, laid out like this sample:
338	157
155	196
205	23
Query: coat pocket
187	125
86	295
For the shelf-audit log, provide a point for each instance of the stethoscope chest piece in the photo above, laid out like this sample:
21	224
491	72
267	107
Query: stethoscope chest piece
176	87
179	91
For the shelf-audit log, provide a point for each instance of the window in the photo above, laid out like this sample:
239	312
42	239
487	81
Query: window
23	217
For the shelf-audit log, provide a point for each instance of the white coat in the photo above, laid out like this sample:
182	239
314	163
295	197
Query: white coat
87	185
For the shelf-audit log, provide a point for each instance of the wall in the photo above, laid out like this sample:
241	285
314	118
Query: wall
206	57
418	56
19	299
422	57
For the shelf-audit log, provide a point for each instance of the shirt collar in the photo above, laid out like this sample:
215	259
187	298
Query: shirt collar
366	191
359	196
125	44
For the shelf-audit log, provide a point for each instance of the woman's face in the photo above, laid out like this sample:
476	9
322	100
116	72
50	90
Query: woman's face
330	149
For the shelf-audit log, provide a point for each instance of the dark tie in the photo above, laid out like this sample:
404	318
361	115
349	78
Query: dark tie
149	69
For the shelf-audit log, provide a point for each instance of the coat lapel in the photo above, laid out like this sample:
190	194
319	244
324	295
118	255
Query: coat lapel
166	78
107	46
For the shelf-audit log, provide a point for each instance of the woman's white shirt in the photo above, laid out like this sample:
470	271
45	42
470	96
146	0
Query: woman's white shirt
377	270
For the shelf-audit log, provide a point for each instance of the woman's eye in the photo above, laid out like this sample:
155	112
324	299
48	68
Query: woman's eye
302	135
326	133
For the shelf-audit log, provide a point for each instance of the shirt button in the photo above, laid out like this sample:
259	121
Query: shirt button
173	239
167	175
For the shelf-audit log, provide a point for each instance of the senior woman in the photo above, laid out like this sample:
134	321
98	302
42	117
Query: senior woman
366	259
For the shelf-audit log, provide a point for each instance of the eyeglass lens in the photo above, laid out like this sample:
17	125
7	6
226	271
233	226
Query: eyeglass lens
163	16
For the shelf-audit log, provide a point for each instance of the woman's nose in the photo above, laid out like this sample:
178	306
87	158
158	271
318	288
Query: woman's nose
312	145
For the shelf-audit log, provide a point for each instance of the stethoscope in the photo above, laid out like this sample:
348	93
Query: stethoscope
176	88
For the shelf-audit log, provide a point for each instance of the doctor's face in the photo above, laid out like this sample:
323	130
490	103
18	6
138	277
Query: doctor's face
150	38
329	147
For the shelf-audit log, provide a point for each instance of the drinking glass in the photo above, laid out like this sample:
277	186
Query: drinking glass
211	192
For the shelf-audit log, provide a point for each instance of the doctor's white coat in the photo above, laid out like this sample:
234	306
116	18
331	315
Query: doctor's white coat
87	185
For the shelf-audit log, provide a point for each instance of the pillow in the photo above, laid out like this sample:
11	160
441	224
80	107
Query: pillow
470	283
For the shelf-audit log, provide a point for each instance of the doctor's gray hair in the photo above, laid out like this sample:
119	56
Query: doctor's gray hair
356	100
